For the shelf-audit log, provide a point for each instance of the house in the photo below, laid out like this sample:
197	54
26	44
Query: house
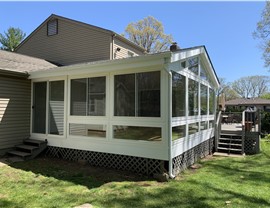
63	41
147	113
15	96
244	103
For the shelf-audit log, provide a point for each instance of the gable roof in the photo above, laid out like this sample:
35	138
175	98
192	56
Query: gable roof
110	32
21	64
247	101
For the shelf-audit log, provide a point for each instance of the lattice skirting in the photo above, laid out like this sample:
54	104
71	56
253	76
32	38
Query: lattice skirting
252	143
189	157
120	162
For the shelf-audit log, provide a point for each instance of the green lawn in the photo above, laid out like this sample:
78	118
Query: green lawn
220	182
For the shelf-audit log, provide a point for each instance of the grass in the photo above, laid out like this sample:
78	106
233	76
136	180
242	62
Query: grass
220	182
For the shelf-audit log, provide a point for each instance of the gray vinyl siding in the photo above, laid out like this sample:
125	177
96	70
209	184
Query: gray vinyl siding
15	99
125	48
74	43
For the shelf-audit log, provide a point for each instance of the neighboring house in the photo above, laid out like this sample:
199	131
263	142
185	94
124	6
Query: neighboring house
149	113
64	41
15	96
244	103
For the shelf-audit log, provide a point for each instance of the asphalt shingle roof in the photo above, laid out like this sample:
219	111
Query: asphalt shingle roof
248	101
11	61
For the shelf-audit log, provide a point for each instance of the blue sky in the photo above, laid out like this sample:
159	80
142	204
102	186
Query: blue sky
225	28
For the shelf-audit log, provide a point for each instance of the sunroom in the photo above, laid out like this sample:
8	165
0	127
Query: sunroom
147	114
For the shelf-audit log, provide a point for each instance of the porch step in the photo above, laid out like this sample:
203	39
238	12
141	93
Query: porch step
19	153
229	149
34	142
29	149
26	147
232	144
229	139
231	134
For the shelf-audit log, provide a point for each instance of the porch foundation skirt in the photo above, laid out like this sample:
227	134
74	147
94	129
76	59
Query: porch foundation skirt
134	164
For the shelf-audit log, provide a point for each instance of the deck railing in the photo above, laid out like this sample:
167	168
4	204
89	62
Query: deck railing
217	129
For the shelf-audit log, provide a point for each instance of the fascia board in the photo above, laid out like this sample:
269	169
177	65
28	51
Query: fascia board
102	67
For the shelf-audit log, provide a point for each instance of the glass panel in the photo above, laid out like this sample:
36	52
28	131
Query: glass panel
204	125
193	128
192	97
193	65
124	95
87	130
137	94
148	94
178	132
183	65
178	94
203	100
211	124
39	107
78	103
96	96
211	101
137	133
203	72
56	108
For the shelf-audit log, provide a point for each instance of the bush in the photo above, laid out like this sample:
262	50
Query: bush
266	122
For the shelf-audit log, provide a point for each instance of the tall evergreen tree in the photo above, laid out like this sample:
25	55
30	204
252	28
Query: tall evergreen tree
11	39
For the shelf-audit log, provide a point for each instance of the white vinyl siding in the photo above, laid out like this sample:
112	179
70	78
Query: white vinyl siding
125	50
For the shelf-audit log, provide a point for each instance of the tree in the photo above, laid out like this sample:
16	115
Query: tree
149	34
263	32
11	39
226	89
251	86
266	96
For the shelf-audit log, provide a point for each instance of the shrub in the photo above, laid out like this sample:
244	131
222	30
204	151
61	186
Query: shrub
266	122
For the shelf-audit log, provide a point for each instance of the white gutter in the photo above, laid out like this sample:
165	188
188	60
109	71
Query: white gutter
170	123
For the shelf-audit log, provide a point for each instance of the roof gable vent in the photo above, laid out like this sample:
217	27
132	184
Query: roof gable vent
52	27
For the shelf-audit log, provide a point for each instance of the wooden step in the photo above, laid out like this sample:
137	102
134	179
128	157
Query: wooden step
231	134
232	144
26	147
230	149
19	153
229	139
33	141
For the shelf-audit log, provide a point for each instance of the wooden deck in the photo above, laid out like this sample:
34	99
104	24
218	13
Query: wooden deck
237	127
231	127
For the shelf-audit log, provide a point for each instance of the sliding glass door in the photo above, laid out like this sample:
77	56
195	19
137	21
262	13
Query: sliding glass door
48	107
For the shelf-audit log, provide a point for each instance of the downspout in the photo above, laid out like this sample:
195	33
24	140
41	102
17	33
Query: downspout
171	175
112	51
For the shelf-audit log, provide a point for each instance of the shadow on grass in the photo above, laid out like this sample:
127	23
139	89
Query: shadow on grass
6	203
86	175
233	196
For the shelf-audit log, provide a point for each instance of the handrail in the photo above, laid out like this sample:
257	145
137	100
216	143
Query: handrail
217	129
243	132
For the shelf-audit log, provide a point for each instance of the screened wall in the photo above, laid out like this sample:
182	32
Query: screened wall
193	99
